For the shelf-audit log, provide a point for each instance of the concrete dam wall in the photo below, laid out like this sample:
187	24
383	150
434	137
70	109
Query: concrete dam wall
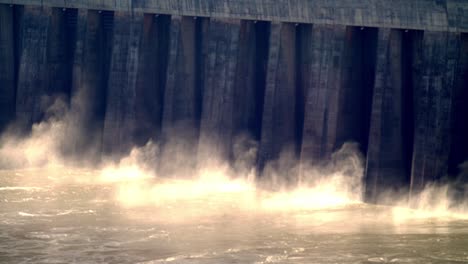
302	86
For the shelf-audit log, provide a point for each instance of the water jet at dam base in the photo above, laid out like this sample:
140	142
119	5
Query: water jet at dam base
206	131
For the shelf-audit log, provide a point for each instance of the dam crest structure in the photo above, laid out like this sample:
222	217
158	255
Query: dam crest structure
301	77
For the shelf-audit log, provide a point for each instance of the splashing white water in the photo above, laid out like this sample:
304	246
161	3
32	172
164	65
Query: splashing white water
137	184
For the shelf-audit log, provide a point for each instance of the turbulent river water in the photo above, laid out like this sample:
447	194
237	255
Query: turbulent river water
51	217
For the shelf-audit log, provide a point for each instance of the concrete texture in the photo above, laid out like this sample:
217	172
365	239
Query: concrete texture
78	53
120	119
7	66
327	44
436	59
92	61
195	85
459	140
435	15
386	163
250	78
44	71
151	78
221	47
32	73
357	78
279	109
183	94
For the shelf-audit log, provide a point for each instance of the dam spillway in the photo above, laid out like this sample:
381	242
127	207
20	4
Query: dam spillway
301	78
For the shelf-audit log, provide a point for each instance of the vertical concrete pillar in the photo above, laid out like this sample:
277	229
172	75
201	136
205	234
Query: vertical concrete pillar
59	54
386	156
78	52
216	127
75	125
91	64
458	159
182	102
249	93
279	117
319	137
250	78
7	66
151	77
120	117
182	97
435	66
337	68
32	75
45	69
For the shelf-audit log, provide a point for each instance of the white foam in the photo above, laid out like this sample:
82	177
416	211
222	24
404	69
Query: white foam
26	214
19	188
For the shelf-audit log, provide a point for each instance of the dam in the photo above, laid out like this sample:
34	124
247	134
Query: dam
300	78
234	131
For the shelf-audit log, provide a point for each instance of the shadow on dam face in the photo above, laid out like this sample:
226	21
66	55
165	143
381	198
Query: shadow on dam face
217	88
457	166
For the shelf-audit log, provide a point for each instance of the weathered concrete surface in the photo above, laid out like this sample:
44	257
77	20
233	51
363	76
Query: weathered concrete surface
435	67
357	78
221	46
182	98
322	91
386	163
151	78
235	54
92	61
60	45
435	15
120	120
336	78
459	139
7	66
279	110
45	69
32	80
183	93
136	81
296	89
250	78
78	53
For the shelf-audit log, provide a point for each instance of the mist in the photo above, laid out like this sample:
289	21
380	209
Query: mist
215	187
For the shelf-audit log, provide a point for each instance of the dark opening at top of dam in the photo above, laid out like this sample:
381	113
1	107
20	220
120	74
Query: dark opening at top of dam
295	80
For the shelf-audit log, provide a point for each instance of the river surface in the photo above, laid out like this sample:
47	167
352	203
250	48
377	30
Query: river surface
45	220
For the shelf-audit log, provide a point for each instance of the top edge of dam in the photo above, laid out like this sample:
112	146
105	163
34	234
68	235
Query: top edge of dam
433	15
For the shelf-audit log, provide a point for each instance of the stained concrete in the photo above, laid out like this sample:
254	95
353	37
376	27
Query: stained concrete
323	92
151	79
78	53
435	15
436	60
32	73
337	75
183	94
92	62
7	66
458	139
386	163
299	91
221	46
279	116
120	116
44	72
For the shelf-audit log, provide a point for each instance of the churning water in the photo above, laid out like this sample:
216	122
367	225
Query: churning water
57	216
